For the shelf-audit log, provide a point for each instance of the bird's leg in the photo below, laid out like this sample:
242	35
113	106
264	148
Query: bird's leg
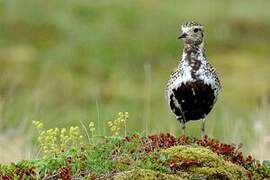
202	127
183	125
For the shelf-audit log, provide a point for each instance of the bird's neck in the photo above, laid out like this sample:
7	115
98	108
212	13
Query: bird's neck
193	51
194	48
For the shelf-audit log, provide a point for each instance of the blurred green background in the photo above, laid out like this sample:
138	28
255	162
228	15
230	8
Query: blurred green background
68	61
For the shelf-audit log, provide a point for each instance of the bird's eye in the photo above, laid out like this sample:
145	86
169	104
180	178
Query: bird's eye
196	30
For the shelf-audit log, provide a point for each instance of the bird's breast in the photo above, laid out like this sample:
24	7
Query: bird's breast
193	100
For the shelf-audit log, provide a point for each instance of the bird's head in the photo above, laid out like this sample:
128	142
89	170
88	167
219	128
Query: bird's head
192	33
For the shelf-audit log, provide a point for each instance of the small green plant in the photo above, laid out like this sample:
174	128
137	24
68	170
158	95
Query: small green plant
54	141
116	125
92	130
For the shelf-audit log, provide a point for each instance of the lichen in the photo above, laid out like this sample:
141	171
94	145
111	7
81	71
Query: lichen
201	160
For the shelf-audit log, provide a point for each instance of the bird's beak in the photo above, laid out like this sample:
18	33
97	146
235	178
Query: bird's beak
182	36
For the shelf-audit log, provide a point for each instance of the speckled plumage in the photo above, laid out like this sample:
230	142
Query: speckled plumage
193	88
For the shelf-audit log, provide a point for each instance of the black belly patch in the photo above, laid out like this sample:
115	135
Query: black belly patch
192	100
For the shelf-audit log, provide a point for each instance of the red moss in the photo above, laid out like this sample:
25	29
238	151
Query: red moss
64	173
249	175
229	151
158	141
6	177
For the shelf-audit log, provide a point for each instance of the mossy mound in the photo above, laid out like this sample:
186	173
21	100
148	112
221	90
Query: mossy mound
201	160
158	156
185	162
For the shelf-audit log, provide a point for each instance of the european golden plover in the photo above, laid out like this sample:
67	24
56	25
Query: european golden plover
193	88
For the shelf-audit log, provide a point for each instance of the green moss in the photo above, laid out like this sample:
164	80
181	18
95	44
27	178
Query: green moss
144	174
204	161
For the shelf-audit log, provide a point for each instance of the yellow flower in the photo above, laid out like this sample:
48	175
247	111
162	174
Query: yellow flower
91	124
126	115
113	128
120	114
110	123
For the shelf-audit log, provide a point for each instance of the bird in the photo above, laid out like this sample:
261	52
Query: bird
194	86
